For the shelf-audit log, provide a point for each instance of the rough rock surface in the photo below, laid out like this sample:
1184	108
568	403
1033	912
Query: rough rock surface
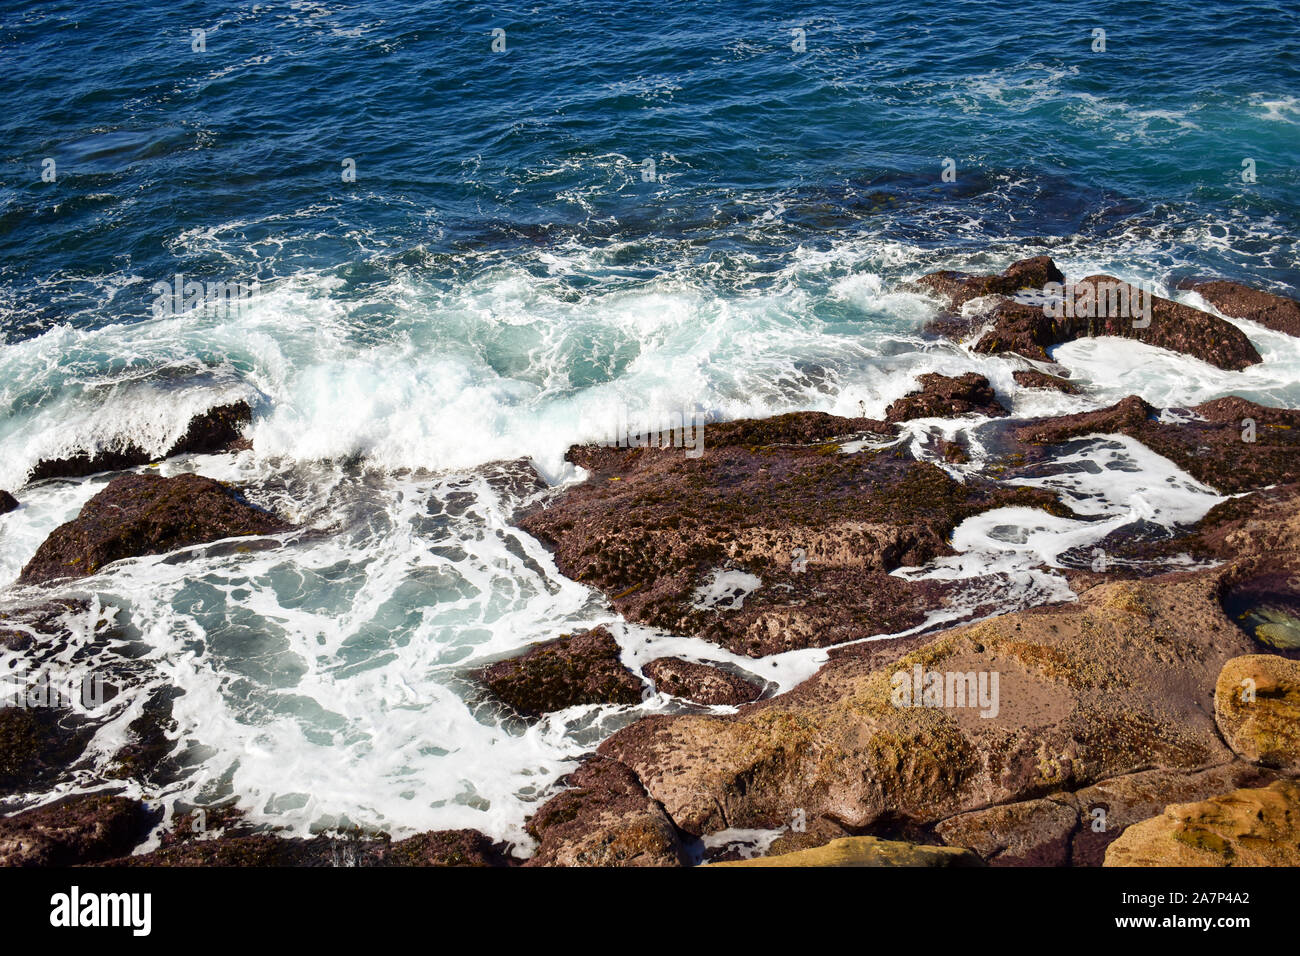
770	540
1212	448
217	430
8	502
1032	378
701	683
138	515
1242	302
36	745
1115	684
1257	706
943	396
448	848
74	830
1032	833
865	851
959	288
574	669
1248	827
606	819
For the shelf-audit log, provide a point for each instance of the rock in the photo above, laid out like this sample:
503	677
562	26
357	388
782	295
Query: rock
1211	448
8	502
942	396
960	287
51	622
147	754
262	850
866	851
1031	378
1108	808
765	542
607	819
1247	827
74	830
576	669
1275	312
1112	685
448	848
1257	707
1030	331
700	682
219	429
1033	833
37	745
137	515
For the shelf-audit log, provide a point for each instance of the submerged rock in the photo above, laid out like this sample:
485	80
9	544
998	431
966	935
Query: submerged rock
1267	607
942	396
866	851
700	682
1247	827
217	430
1257	707
73	831
606	819
137	515
770	540
582	668
1275	312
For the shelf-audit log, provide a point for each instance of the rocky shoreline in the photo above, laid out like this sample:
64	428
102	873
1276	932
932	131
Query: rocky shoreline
1154	719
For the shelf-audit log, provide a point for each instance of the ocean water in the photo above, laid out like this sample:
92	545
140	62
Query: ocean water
463	260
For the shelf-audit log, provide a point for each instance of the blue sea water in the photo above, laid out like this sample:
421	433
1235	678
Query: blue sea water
630	205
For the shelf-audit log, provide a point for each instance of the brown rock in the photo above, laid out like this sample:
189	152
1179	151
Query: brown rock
942	396
1031	378
37	745
138	515
1257	707
960	287
865	851
1248	827
700	682
1275	312
219	429
1033	833
72	831
583	668
448	848
607	819
662	534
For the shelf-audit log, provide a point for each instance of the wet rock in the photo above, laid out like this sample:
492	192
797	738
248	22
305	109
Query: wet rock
8	502
1233	445
448	848
582	668
960	287
1112	685
1267	607
942	396
72	831
1033	833
146	756
866	851
1257	707
137	515
1247	827
48	622
1275	312
217	430
263	850
1032	378
36	746
700	682
766	542
607	819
